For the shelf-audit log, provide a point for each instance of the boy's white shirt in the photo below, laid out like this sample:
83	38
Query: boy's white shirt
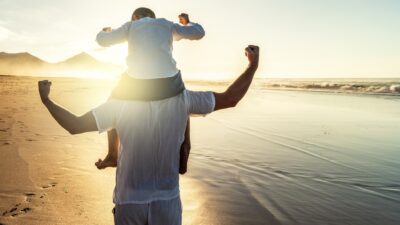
150	45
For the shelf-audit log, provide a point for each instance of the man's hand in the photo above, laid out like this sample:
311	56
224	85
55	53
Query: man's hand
44	89
107	29
252	52
184	19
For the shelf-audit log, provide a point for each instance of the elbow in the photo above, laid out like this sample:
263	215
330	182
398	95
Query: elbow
101	40
232	103
101	43
200	35
73	131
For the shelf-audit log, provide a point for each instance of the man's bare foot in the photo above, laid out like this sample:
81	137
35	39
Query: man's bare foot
184	157
109	161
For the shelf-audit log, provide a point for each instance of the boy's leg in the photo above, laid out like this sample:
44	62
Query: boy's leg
185	150
111	159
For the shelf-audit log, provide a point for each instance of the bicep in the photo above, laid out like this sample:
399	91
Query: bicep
222	101
85	123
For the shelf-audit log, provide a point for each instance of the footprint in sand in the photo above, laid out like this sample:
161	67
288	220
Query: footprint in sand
23	208
29	196
51	185
15	211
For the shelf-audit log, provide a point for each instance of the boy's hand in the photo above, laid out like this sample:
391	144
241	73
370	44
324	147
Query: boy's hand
252	52
44	89
107	29
184	19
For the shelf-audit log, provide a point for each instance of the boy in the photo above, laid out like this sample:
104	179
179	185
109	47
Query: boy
152	73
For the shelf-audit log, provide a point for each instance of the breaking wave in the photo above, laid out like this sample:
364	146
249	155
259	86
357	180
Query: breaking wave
390	87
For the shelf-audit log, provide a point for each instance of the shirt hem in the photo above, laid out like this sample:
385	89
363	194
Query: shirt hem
147	201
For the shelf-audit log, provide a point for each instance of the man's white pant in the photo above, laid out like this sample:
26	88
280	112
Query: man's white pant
165	212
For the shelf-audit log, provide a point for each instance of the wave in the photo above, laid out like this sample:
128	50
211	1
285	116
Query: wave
390	87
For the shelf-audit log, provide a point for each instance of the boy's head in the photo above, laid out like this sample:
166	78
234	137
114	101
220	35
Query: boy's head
143	12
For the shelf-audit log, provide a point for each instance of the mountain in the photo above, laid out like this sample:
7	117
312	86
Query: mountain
20	58
82	59
29	65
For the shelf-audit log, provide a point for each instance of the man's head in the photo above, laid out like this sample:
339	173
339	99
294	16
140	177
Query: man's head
143	12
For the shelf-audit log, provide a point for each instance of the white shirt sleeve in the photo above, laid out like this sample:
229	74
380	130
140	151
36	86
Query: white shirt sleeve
106	115
200	102
192	31
116	36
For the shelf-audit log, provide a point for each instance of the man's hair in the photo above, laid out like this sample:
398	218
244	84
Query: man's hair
143	12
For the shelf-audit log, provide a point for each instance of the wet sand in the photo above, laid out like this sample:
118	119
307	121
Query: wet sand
278	158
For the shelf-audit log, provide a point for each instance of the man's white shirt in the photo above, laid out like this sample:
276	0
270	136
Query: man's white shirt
151	134
150	45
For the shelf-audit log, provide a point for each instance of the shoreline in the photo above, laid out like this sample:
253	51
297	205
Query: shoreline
355	86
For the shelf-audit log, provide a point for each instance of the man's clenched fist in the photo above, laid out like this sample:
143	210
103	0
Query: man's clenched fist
252	52
44	89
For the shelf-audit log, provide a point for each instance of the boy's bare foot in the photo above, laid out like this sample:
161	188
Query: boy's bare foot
109	161
184	157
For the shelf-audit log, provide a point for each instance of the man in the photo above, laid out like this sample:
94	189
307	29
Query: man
151	133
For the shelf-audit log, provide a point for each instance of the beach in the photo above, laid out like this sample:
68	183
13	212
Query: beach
279	157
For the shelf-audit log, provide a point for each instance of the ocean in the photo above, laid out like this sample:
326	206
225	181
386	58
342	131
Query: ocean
307	152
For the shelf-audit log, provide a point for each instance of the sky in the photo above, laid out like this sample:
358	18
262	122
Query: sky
298	38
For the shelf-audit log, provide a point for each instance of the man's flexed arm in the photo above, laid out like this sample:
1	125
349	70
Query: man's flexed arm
239	88
70	122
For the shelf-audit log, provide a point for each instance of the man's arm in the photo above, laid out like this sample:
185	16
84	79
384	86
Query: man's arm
108	37
189	30
239	88
70	122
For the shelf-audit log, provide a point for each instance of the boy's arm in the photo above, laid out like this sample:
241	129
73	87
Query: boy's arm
108	37
189	30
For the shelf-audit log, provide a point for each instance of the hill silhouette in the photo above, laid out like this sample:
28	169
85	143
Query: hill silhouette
27	64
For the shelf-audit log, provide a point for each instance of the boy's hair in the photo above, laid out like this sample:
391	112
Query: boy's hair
143	12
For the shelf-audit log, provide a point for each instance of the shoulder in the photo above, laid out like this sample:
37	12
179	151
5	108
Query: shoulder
110	105
126	26
199	102
164	21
